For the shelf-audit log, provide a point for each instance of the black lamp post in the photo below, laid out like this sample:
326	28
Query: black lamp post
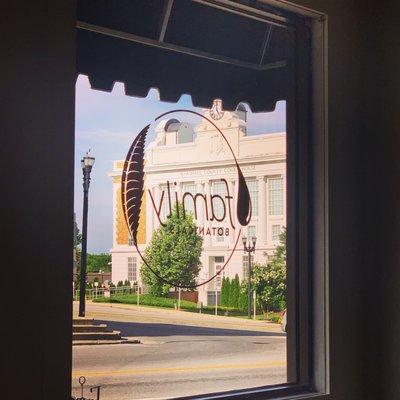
249	245
87	163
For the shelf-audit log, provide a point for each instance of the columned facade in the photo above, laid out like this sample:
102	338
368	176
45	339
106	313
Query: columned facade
201	166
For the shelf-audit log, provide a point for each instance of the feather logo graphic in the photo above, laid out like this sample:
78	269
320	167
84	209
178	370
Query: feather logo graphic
132	188
132	183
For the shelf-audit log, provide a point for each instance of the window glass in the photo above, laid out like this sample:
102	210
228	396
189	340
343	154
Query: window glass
219	189
252	184
275	194
276	231
132	269
173	264
188	200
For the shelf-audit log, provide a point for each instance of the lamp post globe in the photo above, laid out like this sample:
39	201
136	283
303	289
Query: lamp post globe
87	163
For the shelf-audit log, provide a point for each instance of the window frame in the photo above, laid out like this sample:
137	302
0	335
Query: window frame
307	217
132	263
307	220
272	207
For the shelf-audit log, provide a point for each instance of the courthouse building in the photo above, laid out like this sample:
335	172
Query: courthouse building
185	159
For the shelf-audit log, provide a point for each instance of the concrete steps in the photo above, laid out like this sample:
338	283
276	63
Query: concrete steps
82	321
89	328
112	335
85	332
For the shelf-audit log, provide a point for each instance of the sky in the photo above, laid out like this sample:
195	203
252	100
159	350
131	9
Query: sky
107	123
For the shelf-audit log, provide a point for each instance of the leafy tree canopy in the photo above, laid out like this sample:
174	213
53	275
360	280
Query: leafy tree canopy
97	262
270	280
173	253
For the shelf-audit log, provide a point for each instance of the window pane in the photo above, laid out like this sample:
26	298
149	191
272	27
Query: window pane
252	185
275	193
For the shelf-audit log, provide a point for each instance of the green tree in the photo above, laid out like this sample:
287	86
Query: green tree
270	280
173	253
97	262
242	302
77	251
223	292
234	292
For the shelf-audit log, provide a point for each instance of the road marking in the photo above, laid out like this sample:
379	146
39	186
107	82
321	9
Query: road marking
89	373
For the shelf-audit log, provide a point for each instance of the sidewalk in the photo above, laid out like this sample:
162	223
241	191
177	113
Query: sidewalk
133	313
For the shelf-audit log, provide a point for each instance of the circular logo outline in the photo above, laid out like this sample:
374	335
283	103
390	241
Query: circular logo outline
138	146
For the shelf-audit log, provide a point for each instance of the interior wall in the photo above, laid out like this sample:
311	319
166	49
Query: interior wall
37	91
363	85
36	153
385	333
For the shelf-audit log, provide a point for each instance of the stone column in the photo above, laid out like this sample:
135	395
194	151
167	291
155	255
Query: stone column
262	211
149	213
207	224
179	191
156	197
233	232
200	208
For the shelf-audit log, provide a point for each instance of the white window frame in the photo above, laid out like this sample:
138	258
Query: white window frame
276	196
254	190
132	269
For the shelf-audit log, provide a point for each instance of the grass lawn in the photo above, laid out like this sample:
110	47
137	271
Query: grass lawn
165	302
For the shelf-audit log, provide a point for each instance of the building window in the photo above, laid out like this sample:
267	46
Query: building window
251	231
246	266
275	196
219	188
165	210
252	184
219	263
132	269
188	200
130	242
276	231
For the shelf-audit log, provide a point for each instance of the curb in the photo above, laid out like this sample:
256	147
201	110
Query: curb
102	342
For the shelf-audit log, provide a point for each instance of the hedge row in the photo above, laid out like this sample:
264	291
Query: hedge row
165	302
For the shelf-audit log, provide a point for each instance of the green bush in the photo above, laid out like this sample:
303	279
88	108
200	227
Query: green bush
225	289
166	302
147	300
273	317
234	292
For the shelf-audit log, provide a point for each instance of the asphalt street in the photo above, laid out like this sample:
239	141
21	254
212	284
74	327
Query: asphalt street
181	354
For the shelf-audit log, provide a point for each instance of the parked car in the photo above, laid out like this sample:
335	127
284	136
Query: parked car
283	323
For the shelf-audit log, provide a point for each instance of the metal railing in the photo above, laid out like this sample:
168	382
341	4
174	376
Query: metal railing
112	291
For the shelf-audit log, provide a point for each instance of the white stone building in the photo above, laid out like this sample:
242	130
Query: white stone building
194	160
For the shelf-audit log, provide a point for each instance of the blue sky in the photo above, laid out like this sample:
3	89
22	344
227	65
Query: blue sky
107	123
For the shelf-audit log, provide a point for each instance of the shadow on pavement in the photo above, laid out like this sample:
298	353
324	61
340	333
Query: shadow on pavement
157	329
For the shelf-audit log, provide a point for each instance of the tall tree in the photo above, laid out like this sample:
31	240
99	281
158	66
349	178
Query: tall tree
223	292
235	292
77	245
173	253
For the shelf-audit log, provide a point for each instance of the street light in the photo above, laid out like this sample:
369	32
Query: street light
87	163
249	246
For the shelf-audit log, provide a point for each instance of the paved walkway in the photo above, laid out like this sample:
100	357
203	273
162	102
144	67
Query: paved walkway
133	313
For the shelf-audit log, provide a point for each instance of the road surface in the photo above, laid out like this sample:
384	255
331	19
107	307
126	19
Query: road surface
181	354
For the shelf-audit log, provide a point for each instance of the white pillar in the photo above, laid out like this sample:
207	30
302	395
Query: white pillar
149	212
233	232
207	224
200	209
156	197
179	191
262	211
